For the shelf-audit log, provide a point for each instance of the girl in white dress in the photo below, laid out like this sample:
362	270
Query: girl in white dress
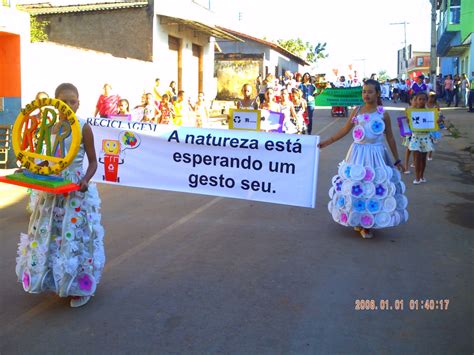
367	192
63	251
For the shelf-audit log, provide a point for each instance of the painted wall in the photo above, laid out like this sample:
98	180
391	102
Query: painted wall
272	58
14	39
233	73
50	64
122	33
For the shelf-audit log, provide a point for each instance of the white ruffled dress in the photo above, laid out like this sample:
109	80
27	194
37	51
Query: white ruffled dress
367	191
63	251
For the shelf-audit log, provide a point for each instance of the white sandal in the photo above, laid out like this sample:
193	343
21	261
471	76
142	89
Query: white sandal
79	301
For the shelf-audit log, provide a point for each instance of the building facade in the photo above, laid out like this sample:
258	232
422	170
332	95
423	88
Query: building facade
454	36
241	62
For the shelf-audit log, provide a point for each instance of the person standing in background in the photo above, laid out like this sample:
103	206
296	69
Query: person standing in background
107	103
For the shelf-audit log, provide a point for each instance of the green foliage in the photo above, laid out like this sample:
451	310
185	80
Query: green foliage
382	76
37	32
304	50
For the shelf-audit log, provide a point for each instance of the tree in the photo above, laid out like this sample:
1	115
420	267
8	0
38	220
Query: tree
37	32
382	76
304	50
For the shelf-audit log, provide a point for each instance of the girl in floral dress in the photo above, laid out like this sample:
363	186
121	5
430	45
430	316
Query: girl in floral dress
63	251
367	192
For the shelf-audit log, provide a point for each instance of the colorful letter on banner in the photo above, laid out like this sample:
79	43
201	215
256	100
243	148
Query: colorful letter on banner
249	165
340	97
423	119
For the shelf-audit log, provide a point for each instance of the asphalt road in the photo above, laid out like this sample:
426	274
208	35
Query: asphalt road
193	274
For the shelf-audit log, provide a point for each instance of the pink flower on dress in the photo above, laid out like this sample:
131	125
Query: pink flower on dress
366	220
358	133
85	282
354	119
343	218
380	109
366	117
369	174
26	280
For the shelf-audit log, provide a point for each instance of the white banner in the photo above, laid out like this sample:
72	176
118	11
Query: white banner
269	167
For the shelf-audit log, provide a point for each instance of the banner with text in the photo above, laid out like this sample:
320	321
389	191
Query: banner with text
340	97
270	167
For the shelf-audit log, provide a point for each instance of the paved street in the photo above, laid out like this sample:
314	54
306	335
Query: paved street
194	274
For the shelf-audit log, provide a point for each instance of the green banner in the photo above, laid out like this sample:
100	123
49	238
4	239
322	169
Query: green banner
340	97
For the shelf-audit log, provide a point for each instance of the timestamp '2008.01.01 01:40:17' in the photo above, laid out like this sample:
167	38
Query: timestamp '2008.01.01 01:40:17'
400	305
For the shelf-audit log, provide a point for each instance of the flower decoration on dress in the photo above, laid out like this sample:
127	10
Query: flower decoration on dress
358	133
382	219
26	280
369	173
380	109
367	220
377	126
339	185
347	171
344	217
85	282
341	201
358	205
357	190
357	172
366	117
373	206
380	190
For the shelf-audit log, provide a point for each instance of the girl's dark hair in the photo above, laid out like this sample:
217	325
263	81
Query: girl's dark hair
378	90
65	86
302	78
126	101
421	93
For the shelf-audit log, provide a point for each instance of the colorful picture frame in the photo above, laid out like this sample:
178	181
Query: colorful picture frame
244	120
423	120
404	126
272	121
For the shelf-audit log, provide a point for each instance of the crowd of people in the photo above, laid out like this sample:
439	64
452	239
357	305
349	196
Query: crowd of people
454	90
160	105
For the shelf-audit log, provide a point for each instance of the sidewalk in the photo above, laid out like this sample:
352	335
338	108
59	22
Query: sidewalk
463	124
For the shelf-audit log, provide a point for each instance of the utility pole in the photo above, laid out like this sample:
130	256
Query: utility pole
404	23
433	58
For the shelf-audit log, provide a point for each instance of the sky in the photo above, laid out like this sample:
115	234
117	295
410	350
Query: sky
357	32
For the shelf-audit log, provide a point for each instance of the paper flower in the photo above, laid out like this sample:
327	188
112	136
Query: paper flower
380	109
356	190
339	185
379	190
369	174
373	206
26	280
359	205
366	117
366	220
377	126
347	171
341	201
343	217
85	282
358	133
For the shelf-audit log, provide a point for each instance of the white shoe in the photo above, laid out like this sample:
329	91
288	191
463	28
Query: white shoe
429	159
78	301
417	182
407	172
366	233
423	180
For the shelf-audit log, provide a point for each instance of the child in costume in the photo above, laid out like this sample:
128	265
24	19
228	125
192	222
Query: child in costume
435	135
367	192
63	251
420	142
